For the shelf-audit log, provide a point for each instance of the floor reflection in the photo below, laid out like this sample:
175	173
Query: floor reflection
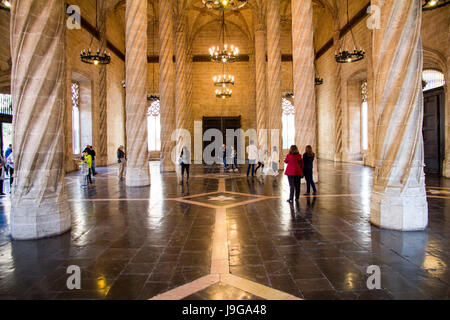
131	243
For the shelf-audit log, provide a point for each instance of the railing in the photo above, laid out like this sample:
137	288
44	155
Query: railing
6	104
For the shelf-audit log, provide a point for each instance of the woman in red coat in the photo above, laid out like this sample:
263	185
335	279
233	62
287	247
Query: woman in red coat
294	172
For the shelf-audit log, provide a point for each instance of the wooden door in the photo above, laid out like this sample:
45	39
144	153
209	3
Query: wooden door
433	125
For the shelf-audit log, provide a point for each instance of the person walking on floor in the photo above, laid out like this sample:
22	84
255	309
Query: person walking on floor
10	164
88	160
7	153
122	161
185	162
308	159
252	152
2	172
261	159
233	157
92	153
294	172
223	153
84	172
275	158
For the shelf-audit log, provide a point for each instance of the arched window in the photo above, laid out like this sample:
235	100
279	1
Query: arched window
154	127
288	123
76	134
364	118
432	79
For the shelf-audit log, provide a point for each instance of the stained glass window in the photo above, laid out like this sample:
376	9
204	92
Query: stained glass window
154	126
5	104
76	134
364	118
288	123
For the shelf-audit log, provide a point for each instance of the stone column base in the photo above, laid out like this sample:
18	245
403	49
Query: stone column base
29	222
396	211
446	168
137	177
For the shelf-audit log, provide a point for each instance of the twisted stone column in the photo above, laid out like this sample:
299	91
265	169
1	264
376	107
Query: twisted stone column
39	205
446	169
183	112
274	74
260	72
398	196
138	173
102	148
303	75
338	104
166	83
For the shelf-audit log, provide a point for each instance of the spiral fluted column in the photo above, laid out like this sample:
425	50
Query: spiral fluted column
138	173
183	112
102	148
303	74
398	197
166	83
260	72
338	114
446	169
39	206
273	23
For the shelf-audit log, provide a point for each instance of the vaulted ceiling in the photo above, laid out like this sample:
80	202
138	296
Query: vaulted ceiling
199	18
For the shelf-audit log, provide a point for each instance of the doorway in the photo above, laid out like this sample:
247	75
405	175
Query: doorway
221	124
433	129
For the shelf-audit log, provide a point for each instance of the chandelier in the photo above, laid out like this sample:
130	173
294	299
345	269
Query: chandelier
97	58
224	93
318	81
224	4
152	97
345	56
223	54
5	4
224	80
434	4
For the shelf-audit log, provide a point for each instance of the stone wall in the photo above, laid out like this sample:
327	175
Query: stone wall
435	37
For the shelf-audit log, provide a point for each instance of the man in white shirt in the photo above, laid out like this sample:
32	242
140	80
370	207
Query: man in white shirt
252	152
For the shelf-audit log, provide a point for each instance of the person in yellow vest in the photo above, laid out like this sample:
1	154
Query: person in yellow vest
88	160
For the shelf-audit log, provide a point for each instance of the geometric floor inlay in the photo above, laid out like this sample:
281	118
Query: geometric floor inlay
220	268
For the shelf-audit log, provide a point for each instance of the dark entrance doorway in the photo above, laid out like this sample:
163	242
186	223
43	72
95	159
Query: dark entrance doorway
221	124
433	129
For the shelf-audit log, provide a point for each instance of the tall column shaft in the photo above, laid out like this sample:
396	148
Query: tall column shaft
138	173
39	198
274	73
183	112
303	74
446	168
166	83
102	148
338	135
260	79
399	197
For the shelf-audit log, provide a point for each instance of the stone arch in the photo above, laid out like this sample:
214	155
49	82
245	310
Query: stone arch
353	115
433	59
85	107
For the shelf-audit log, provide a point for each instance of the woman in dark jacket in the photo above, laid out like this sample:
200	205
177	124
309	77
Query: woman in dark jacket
308	159
294	172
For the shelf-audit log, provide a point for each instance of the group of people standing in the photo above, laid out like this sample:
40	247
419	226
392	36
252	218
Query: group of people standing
297	168
259	158
6	168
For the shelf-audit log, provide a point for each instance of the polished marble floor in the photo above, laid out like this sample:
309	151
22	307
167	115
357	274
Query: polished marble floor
224	236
